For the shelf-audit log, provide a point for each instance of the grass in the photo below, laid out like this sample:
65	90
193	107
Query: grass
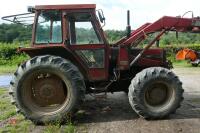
11	122
5	69
184	67
2	91
178	64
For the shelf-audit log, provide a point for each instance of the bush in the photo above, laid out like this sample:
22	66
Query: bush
9	55
7	50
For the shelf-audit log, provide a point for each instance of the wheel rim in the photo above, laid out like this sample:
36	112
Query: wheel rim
45	92
158	95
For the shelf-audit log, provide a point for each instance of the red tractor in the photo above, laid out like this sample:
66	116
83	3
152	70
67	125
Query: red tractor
70	57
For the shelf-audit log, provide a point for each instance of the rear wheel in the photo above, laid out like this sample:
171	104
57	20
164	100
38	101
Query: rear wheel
155	93
47	89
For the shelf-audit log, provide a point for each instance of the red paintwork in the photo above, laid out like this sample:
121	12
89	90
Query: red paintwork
38	47
124	58
65	7
91	76
58	50
166	22
97	74
155	51
121	41
86	46
144	62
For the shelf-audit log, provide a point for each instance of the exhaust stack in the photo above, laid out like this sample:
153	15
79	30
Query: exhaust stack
128	27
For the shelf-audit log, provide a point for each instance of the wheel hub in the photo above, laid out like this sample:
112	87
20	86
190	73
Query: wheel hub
156	95
48	91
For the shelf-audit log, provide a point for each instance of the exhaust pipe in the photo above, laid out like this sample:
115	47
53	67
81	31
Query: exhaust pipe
128	27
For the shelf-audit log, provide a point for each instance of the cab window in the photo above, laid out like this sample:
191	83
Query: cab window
82	29
48	28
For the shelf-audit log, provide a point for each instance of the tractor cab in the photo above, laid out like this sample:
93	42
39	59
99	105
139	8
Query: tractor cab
72	24
77	30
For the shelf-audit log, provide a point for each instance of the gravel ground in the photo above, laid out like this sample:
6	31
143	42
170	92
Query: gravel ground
114	114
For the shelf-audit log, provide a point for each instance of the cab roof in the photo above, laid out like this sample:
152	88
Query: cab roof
65	7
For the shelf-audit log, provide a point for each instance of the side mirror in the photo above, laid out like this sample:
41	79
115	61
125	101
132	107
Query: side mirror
101	16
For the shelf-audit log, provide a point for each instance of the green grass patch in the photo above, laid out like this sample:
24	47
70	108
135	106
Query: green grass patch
17	124
11	122
5	69
2	91
182	64
7	114
70	128
52	129
57	128
6	109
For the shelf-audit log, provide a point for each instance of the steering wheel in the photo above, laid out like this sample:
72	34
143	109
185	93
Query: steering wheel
91	42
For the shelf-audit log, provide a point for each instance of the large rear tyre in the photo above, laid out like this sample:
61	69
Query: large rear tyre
47	89
155	93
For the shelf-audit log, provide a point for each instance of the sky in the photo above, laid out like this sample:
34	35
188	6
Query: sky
141	11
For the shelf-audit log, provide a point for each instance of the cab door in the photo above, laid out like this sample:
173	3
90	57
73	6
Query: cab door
85	40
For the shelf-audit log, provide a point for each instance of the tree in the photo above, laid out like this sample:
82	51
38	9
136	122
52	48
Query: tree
11	32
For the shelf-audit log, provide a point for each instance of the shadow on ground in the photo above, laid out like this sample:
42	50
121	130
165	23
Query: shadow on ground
116	107
190	107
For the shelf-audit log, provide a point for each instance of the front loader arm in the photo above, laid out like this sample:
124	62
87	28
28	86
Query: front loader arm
162	25
166	23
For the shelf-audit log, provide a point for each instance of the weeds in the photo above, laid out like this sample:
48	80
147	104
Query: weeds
69	128
5	69
11	122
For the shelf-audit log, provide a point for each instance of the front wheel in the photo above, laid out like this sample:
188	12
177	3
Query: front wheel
155	92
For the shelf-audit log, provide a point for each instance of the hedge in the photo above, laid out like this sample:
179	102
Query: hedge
9	56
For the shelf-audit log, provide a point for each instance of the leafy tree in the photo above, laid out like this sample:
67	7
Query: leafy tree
14	32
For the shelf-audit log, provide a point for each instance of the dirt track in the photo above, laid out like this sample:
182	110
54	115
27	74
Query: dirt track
114	114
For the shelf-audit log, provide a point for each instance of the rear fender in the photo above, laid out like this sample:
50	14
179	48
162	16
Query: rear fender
61	51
